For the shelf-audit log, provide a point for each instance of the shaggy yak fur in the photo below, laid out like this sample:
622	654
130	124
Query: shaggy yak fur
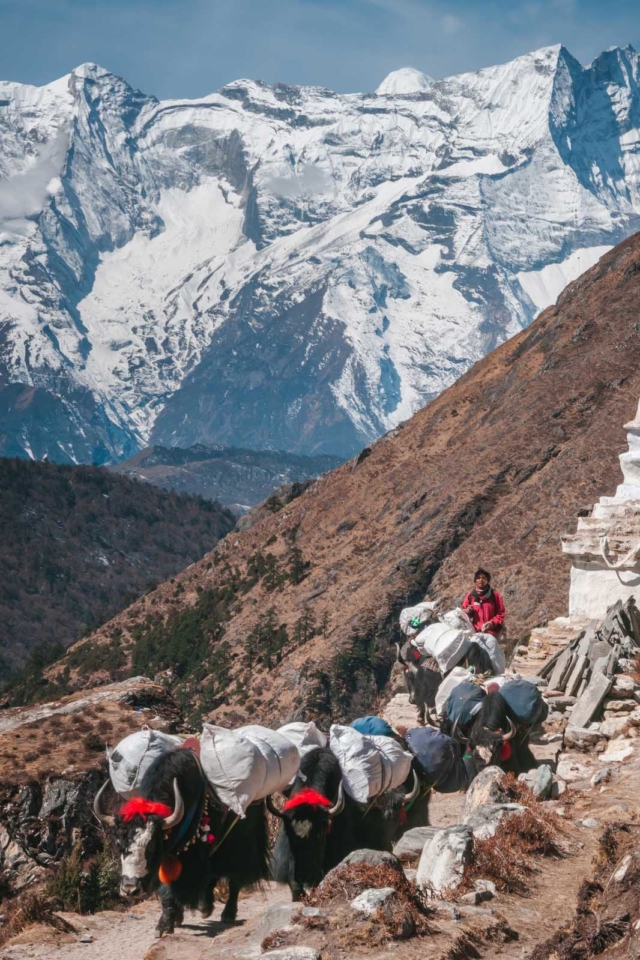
242	858
422	678
310	842
486	744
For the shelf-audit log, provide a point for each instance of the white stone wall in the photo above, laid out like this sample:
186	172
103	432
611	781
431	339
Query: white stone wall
594	588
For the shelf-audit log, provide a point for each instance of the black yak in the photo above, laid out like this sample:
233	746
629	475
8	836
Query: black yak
321	825
496	738
177	838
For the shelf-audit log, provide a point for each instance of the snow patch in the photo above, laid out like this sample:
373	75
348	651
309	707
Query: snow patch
544	286
405	81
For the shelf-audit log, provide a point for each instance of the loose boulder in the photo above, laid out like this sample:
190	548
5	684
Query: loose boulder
486	788
484	820
443	860
371	900
411	844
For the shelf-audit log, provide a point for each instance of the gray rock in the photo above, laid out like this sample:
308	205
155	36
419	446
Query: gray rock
582	736
590	823
486	888
370	900
474	898
484	820
601	776
443	860
411	844
58	797
311	912
619	706
543	782
374	858
486	788
558	787
570	770
276	917
291	953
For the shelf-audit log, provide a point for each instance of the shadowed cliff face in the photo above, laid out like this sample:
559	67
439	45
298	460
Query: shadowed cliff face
492	472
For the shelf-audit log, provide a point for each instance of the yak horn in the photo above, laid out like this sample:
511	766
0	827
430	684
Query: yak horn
102	817
415	790
399	654
339	806
512	730
271	807
178	808
455	730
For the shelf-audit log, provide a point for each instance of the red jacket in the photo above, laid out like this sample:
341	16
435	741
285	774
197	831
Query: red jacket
482	609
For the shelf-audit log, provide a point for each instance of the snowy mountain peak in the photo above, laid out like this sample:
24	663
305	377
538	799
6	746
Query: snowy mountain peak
288	267
405	81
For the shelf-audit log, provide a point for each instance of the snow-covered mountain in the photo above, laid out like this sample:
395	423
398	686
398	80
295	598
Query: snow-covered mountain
287	267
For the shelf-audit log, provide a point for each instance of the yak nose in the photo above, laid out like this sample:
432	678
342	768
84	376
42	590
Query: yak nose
130	887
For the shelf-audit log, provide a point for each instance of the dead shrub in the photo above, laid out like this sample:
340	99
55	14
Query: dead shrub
104	726
93	741
408	915
32	907
504	858
30	757
274	940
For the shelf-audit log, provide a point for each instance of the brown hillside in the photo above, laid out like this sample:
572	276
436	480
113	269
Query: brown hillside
491	472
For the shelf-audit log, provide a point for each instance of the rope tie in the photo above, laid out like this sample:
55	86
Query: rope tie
626	560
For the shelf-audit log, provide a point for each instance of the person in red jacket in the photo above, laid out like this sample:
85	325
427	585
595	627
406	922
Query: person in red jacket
484	606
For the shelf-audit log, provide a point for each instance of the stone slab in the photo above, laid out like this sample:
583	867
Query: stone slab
590	701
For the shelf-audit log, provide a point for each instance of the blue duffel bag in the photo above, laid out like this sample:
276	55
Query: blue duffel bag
463	703
438	758
525	701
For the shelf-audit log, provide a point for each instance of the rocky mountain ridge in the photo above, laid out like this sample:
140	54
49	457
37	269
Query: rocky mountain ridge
296	613
239	479
287	267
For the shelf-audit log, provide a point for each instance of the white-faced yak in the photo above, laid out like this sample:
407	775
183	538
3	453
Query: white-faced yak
177	838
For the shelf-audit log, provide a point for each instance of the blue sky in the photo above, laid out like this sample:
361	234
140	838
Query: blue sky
186	48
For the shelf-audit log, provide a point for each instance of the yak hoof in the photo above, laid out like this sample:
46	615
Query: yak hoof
164	927
229	916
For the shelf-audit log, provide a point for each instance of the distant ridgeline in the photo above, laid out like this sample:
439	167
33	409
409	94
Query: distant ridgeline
79	544
238	478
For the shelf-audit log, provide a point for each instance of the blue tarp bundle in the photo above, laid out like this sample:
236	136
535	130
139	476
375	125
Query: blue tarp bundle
525	701
373	727
464	702
439	759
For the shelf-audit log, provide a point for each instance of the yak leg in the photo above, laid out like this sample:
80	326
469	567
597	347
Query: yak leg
205	903
296	890
172	912
230	911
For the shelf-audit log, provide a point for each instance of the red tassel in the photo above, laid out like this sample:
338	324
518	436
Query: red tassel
139	807
307	796
505	751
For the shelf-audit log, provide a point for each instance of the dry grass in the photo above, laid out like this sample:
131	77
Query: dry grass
403	918
505	857
33	907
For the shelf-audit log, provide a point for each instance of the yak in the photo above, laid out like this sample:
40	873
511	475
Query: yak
321	825
496	738
423	677
177	838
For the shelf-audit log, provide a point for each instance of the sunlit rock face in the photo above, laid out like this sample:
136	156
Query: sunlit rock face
287	267
605	550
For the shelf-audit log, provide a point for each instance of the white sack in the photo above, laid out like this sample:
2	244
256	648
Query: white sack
459	619
447	645
281	756
369	765
450	682
133	756
305	736
425	611
234	766
496	654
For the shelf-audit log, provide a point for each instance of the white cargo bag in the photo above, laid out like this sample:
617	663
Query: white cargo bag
133	756
490	644
369	765
234	766
447	645
450	682
425	612
306	736
459	619
281	756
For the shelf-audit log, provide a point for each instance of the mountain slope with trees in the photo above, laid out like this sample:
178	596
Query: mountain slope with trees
79	543
296	613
